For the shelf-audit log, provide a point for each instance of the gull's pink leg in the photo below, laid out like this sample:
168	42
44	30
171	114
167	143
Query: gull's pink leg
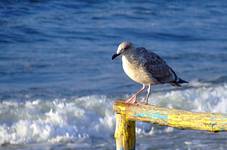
132	99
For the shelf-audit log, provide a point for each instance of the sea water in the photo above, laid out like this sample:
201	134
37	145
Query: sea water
58	82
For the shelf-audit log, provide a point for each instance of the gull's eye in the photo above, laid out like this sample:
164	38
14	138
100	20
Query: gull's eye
126	47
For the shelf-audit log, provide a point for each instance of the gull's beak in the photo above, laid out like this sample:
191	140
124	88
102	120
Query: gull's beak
114	56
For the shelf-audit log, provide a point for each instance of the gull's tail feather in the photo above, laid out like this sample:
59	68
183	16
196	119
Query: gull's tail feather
178	82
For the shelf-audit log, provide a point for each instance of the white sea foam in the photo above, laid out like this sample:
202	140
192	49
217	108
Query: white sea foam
84	118
54	121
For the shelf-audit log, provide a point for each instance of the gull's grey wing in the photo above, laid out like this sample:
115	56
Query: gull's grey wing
157	67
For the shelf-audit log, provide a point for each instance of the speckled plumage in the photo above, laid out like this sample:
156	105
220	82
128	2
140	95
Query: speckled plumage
146	68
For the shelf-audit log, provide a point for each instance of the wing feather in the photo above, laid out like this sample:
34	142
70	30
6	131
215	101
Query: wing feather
157	67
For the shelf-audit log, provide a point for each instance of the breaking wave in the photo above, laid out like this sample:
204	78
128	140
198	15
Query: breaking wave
84	118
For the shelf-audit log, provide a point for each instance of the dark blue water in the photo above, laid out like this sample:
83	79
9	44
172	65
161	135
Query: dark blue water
62	49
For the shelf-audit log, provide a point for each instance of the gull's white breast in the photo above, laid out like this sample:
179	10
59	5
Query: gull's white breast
137	72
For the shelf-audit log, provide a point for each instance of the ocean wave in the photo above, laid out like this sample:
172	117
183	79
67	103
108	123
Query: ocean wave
84	118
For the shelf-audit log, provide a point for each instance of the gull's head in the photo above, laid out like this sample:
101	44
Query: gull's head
123	48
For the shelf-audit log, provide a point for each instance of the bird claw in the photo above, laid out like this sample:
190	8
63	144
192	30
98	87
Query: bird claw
131	100
144	103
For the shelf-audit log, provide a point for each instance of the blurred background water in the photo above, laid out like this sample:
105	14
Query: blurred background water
58	82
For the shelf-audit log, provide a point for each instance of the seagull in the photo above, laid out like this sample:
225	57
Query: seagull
145	67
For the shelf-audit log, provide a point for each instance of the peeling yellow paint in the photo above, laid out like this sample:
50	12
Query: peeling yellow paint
124	133
127	114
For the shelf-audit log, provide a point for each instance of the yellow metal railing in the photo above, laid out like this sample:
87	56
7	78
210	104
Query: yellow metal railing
127	114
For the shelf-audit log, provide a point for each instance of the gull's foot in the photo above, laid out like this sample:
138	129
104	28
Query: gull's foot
144	103
131	100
